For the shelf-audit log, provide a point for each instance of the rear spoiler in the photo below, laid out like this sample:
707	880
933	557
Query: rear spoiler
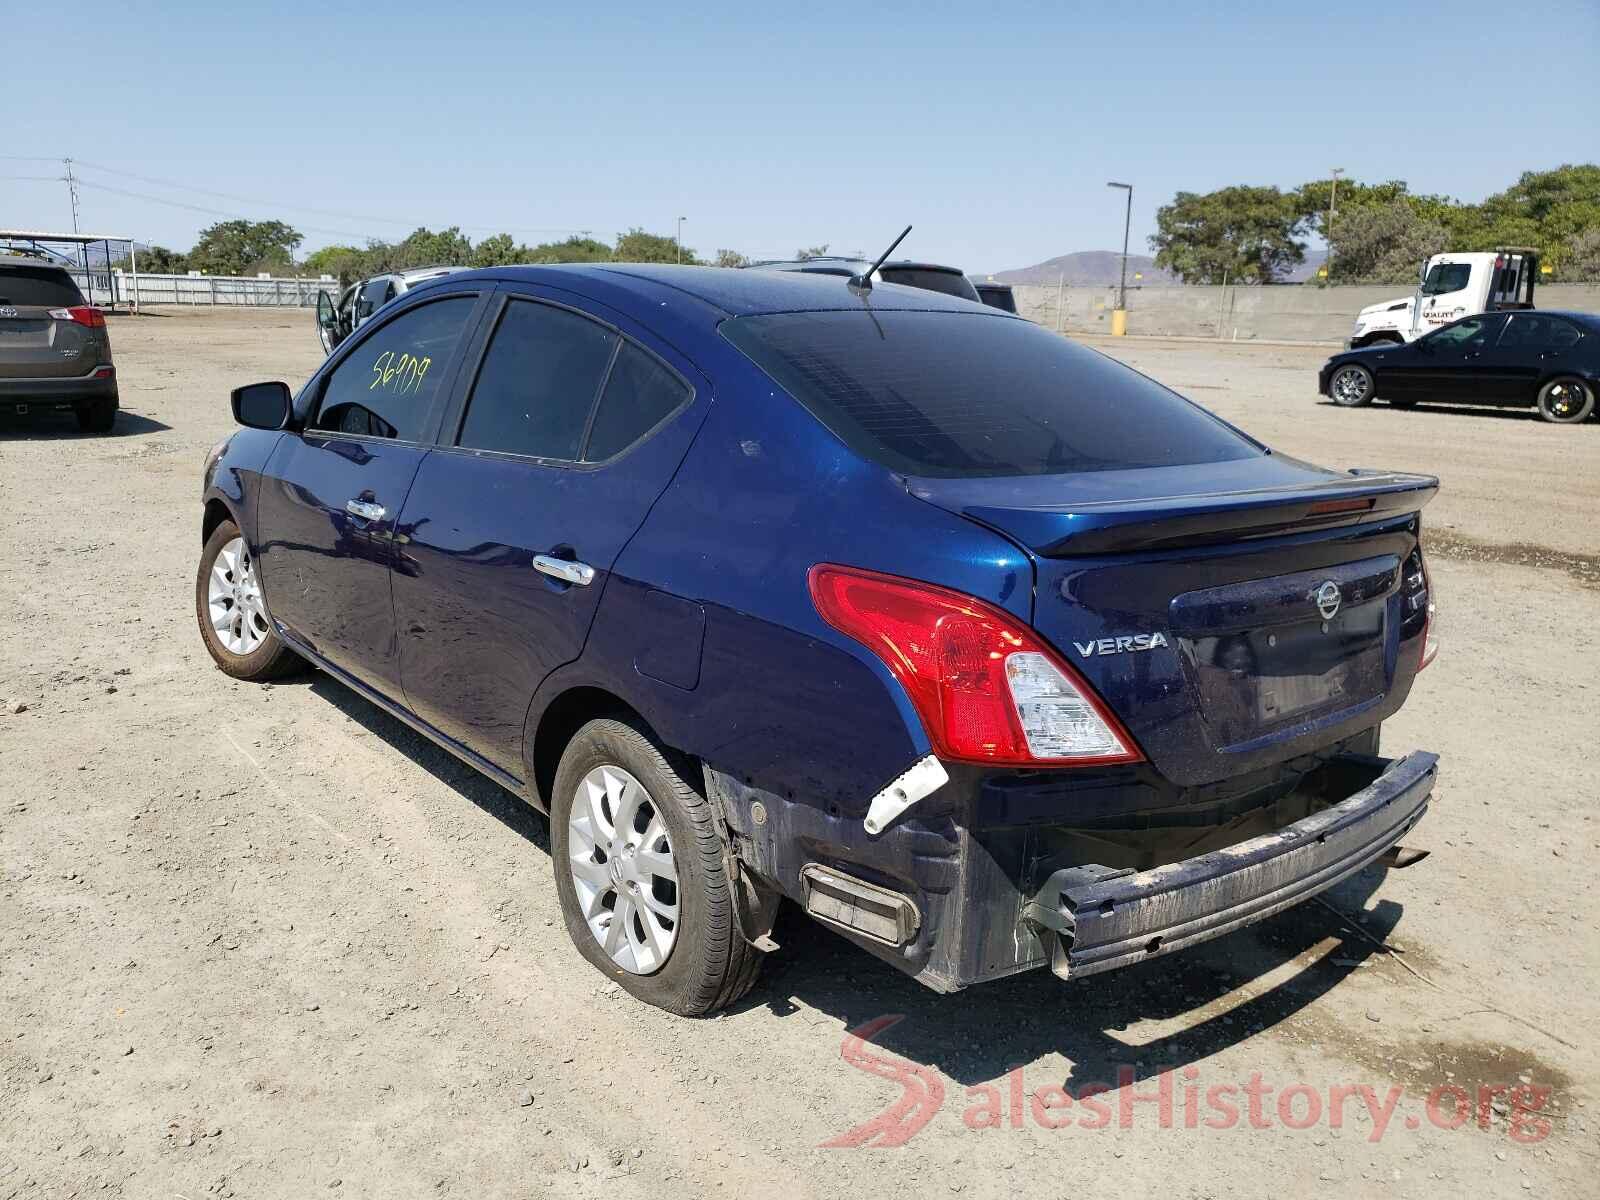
1170	522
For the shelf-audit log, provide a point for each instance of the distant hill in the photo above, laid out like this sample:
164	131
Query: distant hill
1101	268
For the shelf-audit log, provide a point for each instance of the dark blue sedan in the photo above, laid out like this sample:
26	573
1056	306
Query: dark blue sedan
981	648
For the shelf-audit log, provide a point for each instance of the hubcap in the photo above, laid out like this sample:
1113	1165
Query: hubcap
622	867
1565	399
234	596
1350	384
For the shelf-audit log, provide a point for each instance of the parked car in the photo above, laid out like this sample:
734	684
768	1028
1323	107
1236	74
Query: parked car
997	295
1544	360
55	350
983	649
933	277
338	319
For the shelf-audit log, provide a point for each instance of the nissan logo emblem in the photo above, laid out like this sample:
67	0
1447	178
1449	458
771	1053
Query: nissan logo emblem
1326	598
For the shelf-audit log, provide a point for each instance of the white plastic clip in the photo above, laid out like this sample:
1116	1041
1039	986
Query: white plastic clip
921	780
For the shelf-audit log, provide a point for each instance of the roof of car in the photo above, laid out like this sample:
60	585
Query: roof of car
28	260
730	292
1582	318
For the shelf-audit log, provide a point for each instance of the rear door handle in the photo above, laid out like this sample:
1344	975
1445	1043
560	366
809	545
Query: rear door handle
365	509
564	569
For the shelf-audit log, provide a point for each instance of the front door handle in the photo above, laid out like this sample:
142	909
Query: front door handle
365	509
564	569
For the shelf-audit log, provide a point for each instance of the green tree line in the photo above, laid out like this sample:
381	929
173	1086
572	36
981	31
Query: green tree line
1381	231
250	247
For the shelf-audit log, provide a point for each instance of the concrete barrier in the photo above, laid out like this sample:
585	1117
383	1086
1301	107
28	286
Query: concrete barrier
1287	313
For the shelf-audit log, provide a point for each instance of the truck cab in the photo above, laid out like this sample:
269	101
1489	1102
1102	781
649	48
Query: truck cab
1451	286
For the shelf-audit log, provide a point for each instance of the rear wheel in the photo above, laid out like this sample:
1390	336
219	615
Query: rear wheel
232	613
1566	400
642	876
97	416
1351	386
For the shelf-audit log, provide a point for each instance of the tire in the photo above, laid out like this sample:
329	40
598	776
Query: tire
1351	386
708	964
97	416
258	655
1566	400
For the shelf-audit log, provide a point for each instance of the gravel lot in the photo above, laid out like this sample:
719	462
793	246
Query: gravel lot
263	941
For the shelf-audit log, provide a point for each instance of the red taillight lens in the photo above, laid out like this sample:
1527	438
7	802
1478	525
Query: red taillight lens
986	688
82	314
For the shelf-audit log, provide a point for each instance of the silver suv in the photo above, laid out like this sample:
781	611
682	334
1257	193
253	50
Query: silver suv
55	352
337	320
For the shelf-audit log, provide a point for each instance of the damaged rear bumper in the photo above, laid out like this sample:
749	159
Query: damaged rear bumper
1095	919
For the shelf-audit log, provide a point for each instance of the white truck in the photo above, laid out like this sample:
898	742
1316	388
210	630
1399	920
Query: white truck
1452	286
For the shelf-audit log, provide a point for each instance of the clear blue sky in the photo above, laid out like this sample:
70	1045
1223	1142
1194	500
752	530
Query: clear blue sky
992	128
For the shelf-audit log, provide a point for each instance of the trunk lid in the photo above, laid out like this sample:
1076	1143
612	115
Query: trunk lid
33	344
1233	615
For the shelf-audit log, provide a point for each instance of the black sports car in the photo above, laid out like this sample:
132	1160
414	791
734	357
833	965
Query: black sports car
1544	360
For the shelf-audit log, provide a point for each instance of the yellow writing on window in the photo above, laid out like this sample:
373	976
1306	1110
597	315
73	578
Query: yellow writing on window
399	373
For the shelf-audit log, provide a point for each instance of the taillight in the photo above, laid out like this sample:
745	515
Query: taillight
1430	636
82	314
1417	605
987	689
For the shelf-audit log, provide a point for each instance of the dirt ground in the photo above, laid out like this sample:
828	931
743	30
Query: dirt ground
264	941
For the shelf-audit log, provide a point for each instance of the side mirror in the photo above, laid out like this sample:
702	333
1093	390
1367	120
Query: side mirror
263	405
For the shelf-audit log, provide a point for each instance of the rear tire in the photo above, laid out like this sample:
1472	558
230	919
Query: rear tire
1566	400
1351	386
97	416
227	570
708	963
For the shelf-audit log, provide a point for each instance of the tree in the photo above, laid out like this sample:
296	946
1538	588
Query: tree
1580	258
155	260
812	251
338	261
242	247
638	246
731	258
1546	209
574	249
1243	233
497	251
1384	243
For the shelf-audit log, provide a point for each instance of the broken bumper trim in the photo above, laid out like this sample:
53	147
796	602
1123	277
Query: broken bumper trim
1096	919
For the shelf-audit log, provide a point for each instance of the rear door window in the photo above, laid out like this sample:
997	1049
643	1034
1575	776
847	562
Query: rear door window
538	383
1535	332
38	287
388	385
959	395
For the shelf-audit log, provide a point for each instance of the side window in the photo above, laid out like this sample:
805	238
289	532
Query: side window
386	387
538	382
639	394
1473	329
1541	333
374	296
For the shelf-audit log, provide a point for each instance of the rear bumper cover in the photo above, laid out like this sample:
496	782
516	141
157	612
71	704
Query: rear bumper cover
59	392
1094	919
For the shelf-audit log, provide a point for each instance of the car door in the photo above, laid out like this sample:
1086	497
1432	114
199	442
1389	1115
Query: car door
1532	347
1449	364
548	463
331	493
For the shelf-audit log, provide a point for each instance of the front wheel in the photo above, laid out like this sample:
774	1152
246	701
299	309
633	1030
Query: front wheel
1566	400
642	876
232	613
1351	386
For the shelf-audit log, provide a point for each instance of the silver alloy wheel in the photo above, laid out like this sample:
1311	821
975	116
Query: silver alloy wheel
233	594
1565	397
1350	385
622	867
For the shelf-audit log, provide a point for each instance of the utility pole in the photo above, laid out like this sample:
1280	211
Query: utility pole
1333	200
679	239
1119	319
72	191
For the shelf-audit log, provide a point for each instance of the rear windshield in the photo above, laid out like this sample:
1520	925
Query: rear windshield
948	282
44	287
959	395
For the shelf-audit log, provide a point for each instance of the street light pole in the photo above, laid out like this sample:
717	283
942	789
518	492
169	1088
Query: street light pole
1119	319
1333	201
681	220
